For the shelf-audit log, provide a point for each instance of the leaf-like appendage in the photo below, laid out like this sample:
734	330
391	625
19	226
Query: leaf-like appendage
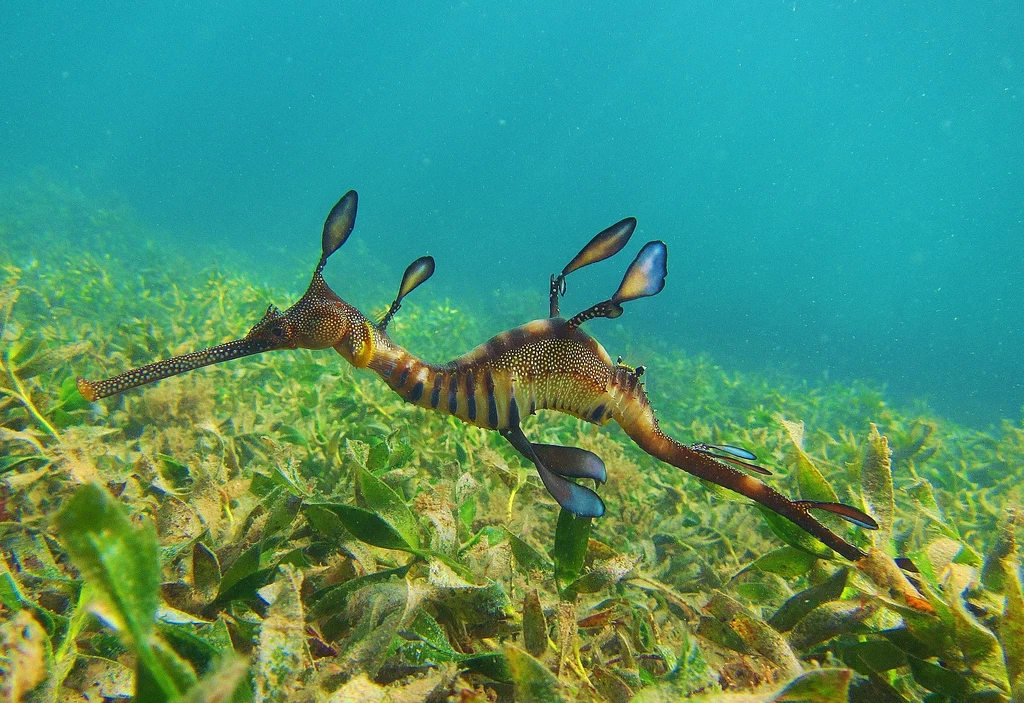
606	243
339	224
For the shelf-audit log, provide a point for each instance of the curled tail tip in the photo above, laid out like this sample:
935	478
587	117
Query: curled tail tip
86	388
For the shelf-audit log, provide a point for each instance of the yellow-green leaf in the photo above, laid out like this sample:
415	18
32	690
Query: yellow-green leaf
876	478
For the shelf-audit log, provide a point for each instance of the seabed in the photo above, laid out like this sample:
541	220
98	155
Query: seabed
285	528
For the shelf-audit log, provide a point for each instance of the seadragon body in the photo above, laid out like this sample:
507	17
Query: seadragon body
547	364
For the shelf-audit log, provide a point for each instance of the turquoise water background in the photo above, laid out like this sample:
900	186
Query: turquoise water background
840	184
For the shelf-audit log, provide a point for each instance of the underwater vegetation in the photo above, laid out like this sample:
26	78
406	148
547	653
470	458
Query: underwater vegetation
287	528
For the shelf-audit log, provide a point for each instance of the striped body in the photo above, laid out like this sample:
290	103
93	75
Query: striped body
544	364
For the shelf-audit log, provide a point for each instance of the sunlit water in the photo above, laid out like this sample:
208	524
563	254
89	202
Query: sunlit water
839	184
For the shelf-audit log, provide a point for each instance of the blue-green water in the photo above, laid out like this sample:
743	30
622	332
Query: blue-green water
840	184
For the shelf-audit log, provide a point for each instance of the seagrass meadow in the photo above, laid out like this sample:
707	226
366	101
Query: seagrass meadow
285	528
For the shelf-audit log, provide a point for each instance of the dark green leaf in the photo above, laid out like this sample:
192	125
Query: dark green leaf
873	689
427	630
293	436
819	686
572	535
792	535
245	588
205	571
171	674
10	462
757	592
189	645
873	656
493	665
246	564
370	528
331	600
20	350
526	556
147	688
295	557
70	399
378	457
60	418
382	500
939	679
29	360
282	513
902	638
804	602
261	485
173	469
326	522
